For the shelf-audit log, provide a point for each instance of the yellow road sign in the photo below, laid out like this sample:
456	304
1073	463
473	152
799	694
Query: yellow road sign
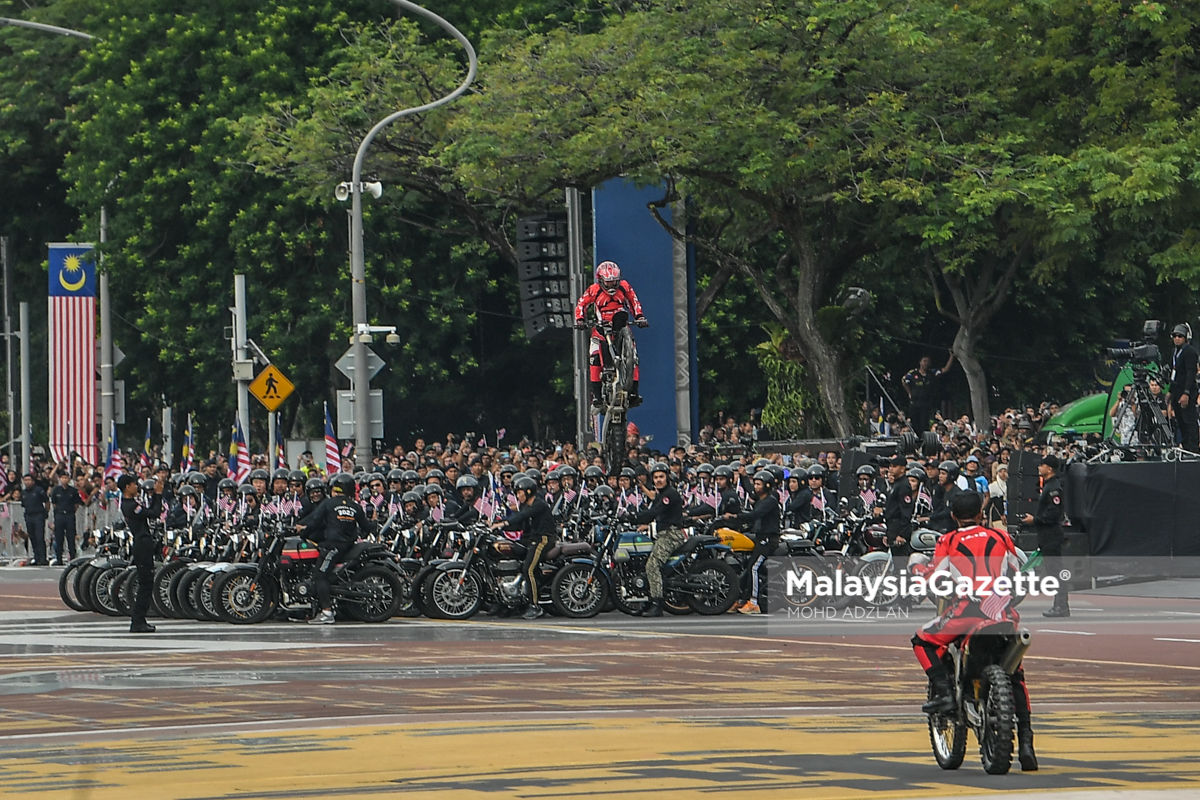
271	387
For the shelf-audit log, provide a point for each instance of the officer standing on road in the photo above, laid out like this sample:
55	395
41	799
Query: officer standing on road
1183	387
36	505
66	501
137	518
335	525
1048	523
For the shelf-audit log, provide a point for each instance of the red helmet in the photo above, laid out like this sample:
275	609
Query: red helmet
609	276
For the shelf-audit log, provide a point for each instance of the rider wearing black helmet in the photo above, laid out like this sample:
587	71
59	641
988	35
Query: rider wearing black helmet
898	512
866	494
667	513
314	495
259	479
799	503
763	520
940	518
538	534
335	525
824	500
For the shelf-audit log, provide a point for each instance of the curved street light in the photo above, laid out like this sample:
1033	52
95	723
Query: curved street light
358	289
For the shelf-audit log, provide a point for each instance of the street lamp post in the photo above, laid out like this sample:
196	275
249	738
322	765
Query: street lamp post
358	287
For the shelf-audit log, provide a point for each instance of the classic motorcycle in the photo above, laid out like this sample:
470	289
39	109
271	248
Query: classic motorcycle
979	667
697	577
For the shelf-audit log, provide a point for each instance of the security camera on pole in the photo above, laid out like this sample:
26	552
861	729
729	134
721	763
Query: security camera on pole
358	288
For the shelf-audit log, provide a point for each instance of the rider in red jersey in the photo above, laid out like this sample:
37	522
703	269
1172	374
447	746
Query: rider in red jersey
975	552
609	294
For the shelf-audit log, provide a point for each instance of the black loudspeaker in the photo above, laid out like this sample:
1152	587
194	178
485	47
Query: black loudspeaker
1024	485
851	460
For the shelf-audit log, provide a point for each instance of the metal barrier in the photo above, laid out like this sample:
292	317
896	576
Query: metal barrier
14	541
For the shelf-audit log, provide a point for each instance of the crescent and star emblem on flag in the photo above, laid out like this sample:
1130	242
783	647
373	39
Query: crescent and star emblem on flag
73	268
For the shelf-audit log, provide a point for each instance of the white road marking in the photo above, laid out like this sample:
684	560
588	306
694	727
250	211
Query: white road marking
1168	639
1073	633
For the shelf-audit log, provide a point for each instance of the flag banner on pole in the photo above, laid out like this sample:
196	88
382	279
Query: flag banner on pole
333	457
72	352
280	455
239	455
112	463
147	458
189	459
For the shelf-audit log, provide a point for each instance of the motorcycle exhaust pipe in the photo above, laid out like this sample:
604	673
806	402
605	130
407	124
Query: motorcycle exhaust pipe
1016	651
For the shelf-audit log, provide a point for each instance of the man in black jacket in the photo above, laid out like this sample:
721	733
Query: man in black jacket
764	521
1183	387
335	525
35	503
667	513
1047	522
536	523
66	501
137	513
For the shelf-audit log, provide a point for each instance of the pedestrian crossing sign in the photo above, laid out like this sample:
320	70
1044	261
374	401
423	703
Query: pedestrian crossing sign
271	387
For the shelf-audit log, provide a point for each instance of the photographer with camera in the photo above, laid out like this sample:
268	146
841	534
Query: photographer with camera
1183	387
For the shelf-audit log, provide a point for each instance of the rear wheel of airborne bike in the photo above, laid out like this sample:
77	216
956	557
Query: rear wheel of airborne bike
579	591
948	735
242	598
613	438
722	587
999	722
384	590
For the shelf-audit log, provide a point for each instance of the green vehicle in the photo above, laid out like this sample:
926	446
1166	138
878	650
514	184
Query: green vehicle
1089	414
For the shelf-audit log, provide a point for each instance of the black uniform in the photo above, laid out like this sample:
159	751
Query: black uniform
898	513
1047	522
137	521
34	501
1183	381
536	524
335	525
941	519
66	501
799	507
764	520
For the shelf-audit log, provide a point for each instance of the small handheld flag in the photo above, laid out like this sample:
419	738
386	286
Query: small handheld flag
112	462
333	457
147	460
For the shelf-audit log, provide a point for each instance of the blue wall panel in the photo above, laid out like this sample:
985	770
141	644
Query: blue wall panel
625	232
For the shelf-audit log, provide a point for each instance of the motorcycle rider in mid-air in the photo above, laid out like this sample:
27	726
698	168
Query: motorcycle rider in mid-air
335	526
973	551
609	294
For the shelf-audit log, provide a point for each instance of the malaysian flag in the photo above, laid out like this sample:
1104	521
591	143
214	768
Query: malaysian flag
333	457
189	448
72	352
112	462
239	455
146	458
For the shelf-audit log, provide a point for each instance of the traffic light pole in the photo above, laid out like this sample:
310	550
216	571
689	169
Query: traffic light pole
579	339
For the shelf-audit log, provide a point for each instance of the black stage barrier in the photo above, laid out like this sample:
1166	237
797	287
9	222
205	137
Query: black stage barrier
1147	509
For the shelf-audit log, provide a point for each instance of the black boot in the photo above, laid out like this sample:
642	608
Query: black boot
1025	753
595	392
943	698
635	399
655	609
1059	609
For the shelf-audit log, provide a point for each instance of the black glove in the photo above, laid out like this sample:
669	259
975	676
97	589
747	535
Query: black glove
581	326
641	322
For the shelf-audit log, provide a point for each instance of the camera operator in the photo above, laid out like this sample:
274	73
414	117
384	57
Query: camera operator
1183	387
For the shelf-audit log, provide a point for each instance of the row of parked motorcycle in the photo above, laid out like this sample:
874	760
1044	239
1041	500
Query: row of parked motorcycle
443	570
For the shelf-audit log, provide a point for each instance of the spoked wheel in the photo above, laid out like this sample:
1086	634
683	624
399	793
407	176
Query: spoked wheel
721	587
410	601
948	735
793	595
68	585
242	598
871	571
579	591
102	591
183	593
202	599
384	590
164	603
631	592
613	438
999	722
453	593
124	590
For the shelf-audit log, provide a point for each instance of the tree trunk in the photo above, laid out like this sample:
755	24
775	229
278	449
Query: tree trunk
964	350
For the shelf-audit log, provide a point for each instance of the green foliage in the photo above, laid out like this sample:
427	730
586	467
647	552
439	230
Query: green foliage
788	404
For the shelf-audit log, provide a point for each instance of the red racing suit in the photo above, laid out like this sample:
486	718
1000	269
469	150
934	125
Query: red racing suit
606	305
977	553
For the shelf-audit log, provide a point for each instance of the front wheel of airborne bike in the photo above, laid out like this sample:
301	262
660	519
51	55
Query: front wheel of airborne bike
999	722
